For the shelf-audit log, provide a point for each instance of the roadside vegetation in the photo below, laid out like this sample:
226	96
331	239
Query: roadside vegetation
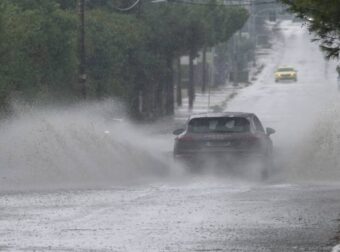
323	19
130	55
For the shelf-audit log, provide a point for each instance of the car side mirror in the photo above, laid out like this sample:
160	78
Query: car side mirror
178	132
270	131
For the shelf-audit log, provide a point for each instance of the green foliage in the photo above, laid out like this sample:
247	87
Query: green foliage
175	29
221	22
323	19
127	53
168	27
112	39
38	49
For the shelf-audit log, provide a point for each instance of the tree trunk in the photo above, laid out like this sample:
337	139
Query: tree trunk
169	88
159	106
99	89
178	82
191	85
148	98
82	53
134	104
204	69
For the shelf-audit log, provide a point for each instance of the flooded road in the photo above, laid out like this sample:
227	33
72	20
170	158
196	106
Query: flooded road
297	209
203	215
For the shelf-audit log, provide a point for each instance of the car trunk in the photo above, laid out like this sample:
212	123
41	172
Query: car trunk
213	142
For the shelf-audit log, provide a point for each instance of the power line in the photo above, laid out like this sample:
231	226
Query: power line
128	8
231	3
192	2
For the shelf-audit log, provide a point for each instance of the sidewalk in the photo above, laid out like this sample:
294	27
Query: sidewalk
213	101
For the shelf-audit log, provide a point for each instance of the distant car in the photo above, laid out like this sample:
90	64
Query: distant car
224	136
285	73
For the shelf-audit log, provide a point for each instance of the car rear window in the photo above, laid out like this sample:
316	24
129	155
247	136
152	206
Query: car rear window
286	69
219	125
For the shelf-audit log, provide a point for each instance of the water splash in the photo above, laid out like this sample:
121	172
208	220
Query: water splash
317	156
84	145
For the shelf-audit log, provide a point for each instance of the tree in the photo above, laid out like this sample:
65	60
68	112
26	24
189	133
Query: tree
177	30
111	40
167	42
130	54
220	24
323	19
38	44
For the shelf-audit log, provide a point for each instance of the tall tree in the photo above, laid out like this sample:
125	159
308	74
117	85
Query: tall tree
129	54
220	24
169	40
39	41
323	19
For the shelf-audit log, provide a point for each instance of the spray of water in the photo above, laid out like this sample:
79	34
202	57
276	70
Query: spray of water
85	145
317	157
90	145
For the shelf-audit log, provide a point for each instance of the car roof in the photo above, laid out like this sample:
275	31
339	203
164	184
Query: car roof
222	114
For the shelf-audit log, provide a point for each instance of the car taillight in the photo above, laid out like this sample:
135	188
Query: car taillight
185	139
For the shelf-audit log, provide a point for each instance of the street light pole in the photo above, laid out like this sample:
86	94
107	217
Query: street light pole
82	53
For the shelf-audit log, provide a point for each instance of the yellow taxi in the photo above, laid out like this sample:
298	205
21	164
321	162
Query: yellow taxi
285	73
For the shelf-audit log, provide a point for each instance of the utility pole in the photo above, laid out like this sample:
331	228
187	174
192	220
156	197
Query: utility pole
140	9
82	53
253	34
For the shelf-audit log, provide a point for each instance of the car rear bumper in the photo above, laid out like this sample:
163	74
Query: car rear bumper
219	156
285	78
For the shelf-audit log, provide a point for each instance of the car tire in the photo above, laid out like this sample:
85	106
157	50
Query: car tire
191	166
267	167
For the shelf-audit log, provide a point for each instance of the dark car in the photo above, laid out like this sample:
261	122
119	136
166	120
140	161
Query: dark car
230	137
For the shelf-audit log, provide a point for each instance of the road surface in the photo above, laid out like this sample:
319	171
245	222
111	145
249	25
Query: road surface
297	209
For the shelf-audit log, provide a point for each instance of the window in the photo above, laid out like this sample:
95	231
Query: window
219	125
258	125
286	69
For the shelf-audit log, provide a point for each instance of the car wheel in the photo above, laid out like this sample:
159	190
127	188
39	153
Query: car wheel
267	167
190	165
